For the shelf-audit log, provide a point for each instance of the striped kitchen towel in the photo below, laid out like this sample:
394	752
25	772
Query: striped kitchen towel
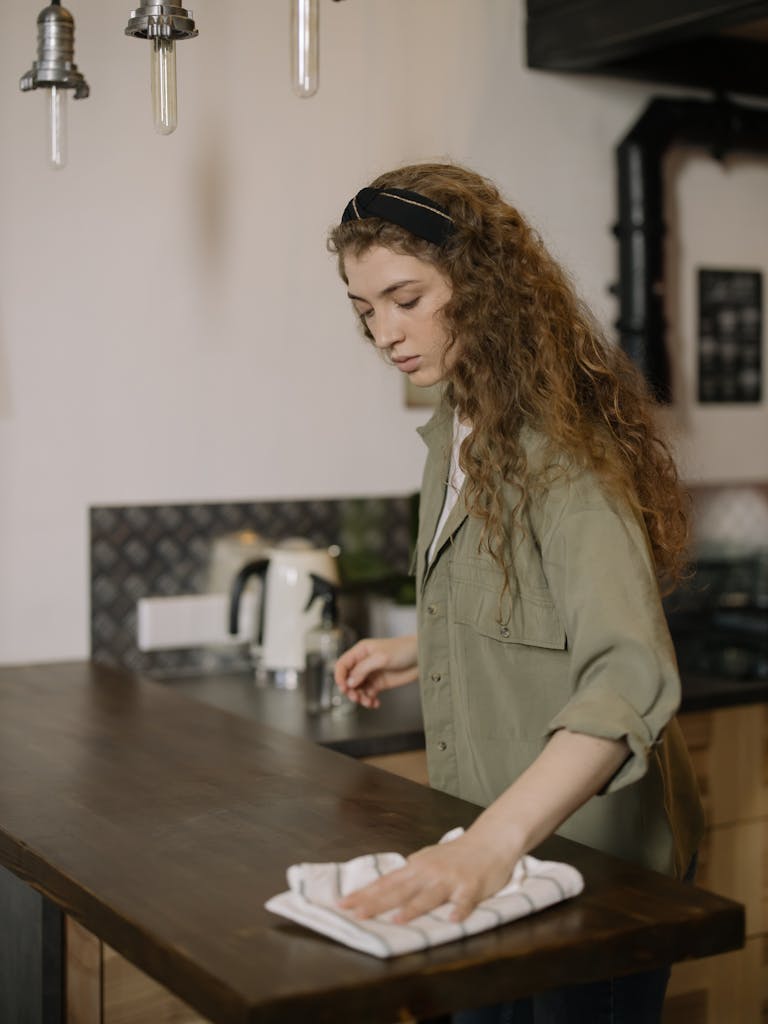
314	891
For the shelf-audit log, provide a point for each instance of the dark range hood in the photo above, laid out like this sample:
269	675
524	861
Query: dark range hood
720	45
714	44
718	126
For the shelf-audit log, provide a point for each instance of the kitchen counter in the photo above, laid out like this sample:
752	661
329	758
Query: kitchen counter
360	732
397	725
162	826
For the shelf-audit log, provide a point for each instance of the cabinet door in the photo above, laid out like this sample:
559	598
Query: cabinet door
105	988
728	989
410	764
83	975
131	997
728	749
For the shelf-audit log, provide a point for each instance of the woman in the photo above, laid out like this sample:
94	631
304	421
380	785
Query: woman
550	513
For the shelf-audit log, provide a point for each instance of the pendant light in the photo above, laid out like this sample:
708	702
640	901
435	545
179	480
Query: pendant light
56	72
304	47
162	24
305	44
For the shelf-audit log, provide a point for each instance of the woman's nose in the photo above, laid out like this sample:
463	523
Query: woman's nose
389	330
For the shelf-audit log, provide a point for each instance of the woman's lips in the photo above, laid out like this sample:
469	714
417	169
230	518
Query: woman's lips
407	363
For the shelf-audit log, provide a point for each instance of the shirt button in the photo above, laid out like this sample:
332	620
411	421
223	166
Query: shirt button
431	609
435	677
504	632
442	745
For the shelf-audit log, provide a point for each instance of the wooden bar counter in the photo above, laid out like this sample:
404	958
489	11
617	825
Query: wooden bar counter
162	825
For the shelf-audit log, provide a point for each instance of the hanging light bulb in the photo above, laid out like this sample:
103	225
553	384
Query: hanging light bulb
162	24
163	74
57	127
56	73
304	47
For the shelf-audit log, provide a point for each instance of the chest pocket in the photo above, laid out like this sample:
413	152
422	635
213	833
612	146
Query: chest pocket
521	618
525	615
510	670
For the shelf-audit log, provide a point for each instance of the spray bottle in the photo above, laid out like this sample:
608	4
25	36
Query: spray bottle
324	643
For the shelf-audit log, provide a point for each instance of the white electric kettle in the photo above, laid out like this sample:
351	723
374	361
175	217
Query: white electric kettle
284	617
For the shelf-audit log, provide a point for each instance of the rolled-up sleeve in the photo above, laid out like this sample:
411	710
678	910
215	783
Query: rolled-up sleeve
624	682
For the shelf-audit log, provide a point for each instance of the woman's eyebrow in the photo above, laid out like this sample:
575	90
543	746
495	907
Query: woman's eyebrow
387	291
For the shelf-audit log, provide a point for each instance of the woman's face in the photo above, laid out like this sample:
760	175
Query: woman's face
398	298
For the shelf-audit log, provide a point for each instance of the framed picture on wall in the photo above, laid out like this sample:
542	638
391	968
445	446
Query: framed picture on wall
730	335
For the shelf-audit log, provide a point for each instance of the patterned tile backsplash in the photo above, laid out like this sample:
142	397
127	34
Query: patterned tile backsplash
731	516
142	550
166	550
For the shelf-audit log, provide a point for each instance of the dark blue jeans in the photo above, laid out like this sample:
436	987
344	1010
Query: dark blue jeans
631	999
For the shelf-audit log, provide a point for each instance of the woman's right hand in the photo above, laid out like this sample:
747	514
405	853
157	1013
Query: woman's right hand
371	666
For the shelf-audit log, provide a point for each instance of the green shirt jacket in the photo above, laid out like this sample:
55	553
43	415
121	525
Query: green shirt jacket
580	643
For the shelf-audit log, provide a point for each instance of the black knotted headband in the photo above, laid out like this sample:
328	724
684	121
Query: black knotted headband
421	216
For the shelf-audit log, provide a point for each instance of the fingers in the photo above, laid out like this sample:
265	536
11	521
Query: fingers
365	668
415	890
425	900
366	692
359	674
345	663
389	892
464	905
357	663
373	665
365	695
402	891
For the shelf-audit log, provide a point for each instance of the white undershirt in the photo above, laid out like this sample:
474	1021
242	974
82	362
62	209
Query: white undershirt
454	483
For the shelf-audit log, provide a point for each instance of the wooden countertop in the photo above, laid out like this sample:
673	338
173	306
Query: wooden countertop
163	825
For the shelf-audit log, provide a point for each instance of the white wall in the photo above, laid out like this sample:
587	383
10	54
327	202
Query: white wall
171	328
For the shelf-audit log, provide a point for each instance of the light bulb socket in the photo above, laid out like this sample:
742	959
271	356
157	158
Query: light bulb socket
55	64
161	21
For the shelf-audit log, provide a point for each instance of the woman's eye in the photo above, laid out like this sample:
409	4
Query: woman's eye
408	305
366	314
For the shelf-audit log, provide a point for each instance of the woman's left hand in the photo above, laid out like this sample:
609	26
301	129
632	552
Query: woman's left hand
463	872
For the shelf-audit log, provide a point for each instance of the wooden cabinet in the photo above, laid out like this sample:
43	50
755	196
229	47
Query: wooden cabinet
410	764
104	988
729	749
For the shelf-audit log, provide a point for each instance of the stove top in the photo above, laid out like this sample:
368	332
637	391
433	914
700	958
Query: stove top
732	643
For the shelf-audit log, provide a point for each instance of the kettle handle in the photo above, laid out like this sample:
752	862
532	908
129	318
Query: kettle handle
257	568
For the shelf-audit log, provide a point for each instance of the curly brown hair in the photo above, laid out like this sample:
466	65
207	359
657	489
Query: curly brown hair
530	354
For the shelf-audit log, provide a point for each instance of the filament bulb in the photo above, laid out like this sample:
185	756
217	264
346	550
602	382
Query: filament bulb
55	72
162	24
57	127
304	47
163	71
